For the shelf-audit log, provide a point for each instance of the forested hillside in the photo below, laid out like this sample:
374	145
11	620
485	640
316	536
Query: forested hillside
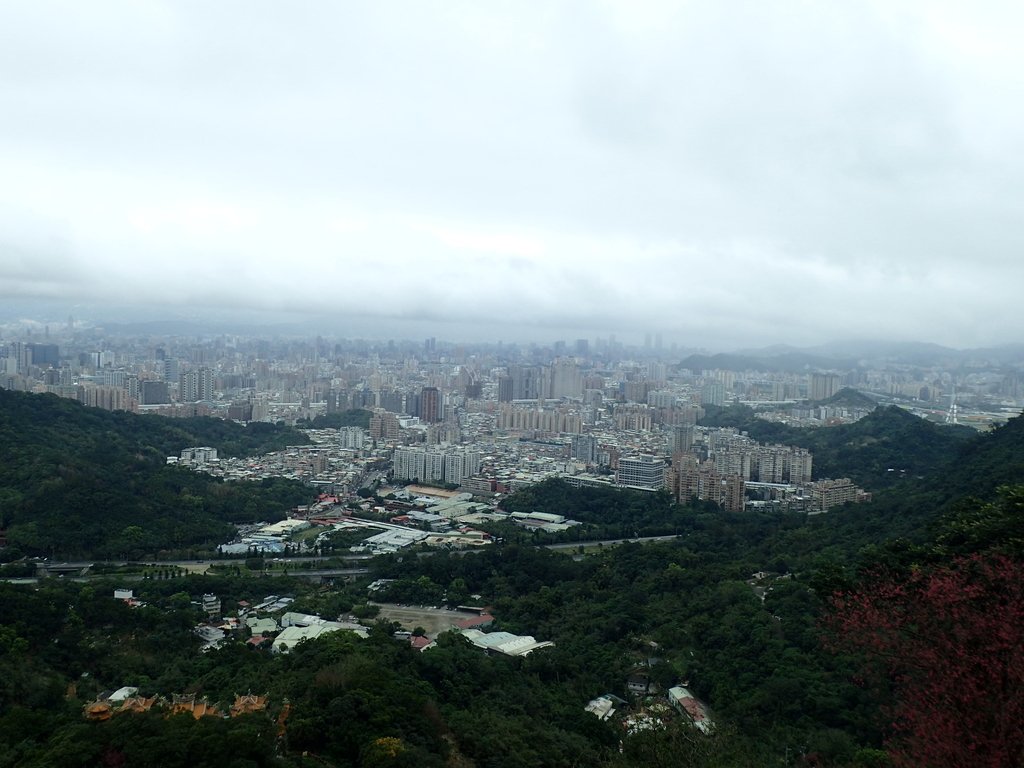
887	446
77	481
688	610
355	417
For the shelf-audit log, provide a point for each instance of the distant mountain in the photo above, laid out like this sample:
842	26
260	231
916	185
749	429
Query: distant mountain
1008	355
894	350
723	361
791	362
845	355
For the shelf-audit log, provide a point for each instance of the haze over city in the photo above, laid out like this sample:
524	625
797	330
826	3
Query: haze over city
724	174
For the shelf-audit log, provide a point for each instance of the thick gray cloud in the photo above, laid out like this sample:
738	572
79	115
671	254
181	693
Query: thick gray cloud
727	172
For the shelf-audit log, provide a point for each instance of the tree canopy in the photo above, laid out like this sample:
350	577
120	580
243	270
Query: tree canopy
78	481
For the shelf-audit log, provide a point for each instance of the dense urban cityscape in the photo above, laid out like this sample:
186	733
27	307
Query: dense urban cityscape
491	419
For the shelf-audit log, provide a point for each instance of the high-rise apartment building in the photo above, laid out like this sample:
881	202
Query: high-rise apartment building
391	400
154	393
538	419
261	407
195	385
435	465
566	380
826	494
713	393
169	368
584	448
681	438
691	478
107	398
384	426
526	382
44	355
505	389
823	386
430	405
351	437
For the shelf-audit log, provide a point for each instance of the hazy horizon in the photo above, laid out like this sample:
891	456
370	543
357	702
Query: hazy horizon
120	321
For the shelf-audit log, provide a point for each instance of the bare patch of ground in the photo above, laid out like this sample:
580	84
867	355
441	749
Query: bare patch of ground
433	620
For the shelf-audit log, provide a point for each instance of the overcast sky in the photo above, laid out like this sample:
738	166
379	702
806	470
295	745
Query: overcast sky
725	173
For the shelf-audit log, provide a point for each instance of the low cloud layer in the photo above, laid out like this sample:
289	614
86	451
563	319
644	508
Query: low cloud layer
722	173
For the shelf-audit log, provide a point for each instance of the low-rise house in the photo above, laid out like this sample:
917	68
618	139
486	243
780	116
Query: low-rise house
128	597
212	637
420	643
602	707
639	682
686	704
273	603
211	604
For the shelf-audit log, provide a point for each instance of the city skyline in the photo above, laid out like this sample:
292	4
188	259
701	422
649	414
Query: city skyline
728	175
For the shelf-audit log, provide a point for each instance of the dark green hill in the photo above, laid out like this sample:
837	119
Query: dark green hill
876	452
45	419
984	463
792	360
354	417
963	475
848	397
887	445
83	481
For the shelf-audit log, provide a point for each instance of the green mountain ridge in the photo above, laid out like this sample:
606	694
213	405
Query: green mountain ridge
849	398
78	481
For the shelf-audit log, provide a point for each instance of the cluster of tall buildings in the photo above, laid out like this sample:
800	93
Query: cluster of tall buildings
19	357
690	478
436	465
562	379
737	454
195	385
555	420
707	465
